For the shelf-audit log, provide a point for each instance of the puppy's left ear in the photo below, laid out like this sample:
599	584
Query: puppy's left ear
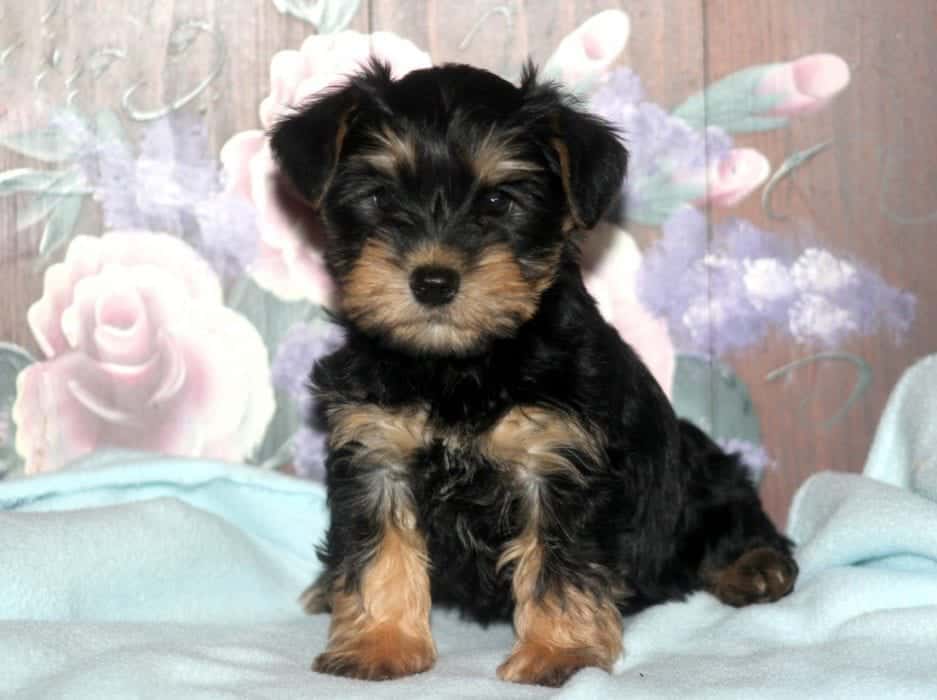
308	144
592	164
587	153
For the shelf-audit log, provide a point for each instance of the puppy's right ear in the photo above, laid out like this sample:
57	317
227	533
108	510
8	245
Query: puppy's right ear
308	144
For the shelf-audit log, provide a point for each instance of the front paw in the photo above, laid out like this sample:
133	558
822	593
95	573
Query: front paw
380	654
538	664
760	575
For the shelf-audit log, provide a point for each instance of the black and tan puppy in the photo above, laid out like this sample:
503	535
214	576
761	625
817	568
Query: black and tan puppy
494	444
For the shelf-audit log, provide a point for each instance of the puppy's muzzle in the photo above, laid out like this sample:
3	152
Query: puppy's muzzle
434	285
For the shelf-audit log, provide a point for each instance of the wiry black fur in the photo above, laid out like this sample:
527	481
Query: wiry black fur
665	506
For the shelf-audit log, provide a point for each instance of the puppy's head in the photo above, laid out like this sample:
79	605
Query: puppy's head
449	197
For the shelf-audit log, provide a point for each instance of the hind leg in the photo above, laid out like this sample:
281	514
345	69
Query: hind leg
760	575
747	561
742	557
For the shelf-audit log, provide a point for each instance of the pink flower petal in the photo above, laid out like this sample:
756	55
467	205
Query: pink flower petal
286	70
143	355
586	53
820	76
610	267
236	155
52	427
224	397
174	371
805	85
736	176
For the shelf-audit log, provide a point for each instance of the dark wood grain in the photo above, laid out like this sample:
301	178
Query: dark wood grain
882	133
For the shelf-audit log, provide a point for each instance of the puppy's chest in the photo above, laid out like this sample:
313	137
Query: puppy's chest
465	501
457	471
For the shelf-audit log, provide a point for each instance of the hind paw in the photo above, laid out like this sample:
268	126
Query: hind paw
760	575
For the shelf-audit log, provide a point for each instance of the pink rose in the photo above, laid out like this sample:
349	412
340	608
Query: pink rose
610	268
587	52
804	85
140	353
734	177
289	262
728	180
326	59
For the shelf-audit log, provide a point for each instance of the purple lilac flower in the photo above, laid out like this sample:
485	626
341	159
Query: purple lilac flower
674	257
663	149
227	224
728	294
172	185
753	456
742	239
309	450
621	90
173	171
110	167
301	347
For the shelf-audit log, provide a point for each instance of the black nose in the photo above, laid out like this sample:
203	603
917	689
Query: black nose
433	285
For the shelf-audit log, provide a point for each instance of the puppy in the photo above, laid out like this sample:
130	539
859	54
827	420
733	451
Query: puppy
494	445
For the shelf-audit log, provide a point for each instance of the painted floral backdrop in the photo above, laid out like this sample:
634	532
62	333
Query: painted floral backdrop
179	292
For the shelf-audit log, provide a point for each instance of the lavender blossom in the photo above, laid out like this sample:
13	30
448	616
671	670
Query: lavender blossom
111	170
309	451
620	90
730	293
172	185
227	224
753	456
665	152
301	347
674	257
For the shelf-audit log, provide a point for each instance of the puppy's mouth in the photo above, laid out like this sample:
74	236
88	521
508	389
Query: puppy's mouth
435	320
434	301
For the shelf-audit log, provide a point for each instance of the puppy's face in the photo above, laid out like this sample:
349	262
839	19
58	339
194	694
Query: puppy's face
449	197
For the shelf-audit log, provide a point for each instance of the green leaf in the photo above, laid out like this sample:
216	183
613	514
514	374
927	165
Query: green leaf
60	226
733	104
108	127
71	182
272	316
274	451
27	180
792	163
329	16
660	197
37	210
13	360
51	144
711	395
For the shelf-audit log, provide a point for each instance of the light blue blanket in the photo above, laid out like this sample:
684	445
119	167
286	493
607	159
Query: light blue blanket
143	577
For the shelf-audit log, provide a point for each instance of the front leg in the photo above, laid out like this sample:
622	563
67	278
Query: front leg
565	615
561	628
378	585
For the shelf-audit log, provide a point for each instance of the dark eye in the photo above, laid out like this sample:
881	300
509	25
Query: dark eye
495	203
380	199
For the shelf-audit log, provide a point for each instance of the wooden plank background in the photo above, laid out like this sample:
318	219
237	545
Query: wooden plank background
871	195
